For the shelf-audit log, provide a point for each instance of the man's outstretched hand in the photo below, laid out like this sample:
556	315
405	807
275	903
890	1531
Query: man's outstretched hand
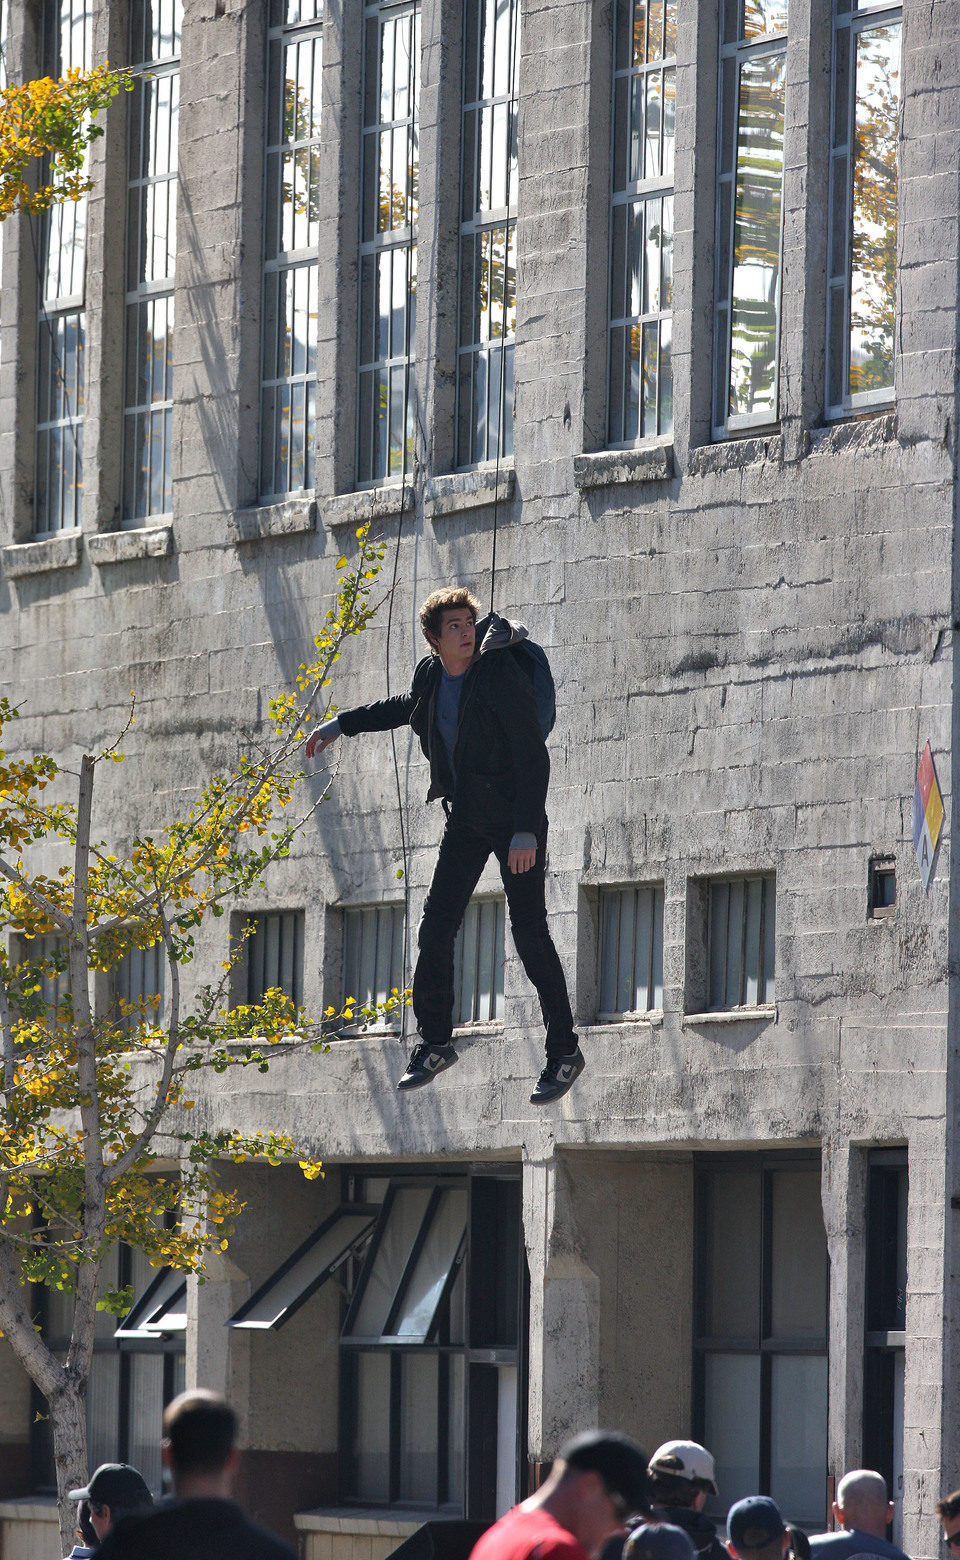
315	743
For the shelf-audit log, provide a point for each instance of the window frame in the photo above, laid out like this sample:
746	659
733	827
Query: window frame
244	986
768	902
395	242
493	996
860	16
283	264
726	425
605	895
384	1024
635	194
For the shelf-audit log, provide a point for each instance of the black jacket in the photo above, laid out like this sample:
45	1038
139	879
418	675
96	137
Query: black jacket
202	1528
500	757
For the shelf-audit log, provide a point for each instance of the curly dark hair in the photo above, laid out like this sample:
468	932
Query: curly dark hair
441	601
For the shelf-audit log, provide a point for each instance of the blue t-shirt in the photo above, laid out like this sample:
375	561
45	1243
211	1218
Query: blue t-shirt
847	1542
448	711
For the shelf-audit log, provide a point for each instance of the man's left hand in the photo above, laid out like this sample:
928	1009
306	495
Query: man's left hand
521	860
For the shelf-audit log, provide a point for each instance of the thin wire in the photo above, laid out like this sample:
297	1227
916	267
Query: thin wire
408	380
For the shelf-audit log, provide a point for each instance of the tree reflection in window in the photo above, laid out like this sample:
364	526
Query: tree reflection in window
388	247
863	236
750	217
291	233
640	400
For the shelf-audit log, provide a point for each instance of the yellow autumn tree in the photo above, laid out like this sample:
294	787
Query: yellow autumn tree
93	1106
46	127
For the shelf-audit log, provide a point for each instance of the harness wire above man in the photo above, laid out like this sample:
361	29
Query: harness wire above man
473	709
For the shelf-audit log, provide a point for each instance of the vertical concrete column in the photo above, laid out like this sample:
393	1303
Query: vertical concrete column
221	126
930	1446
806	143
564	1342
554	172
18	318
843	1191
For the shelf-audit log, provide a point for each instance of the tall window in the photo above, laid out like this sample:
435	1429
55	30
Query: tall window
432	1342
134	1374
640	401
750	214
137	984
863	204
631	950
388	238
742	941
488	220
760	1363
67	36
151	259
292	228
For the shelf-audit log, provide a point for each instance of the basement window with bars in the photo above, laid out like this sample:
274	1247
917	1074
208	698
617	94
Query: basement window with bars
273	952
478	959
373	963
137	987
741	942
631	950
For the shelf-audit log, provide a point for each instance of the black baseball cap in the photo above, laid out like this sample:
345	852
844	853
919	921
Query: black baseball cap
658	1541
115	1484
754	1522
619	1461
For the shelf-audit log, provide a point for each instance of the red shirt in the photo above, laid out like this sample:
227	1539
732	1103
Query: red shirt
528	1535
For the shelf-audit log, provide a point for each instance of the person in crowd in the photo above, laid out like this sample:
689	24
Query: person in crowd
115	1491
85	1534
202	1521
682	1476
598	1480
948	1510
647	1540
864	1512
756	1530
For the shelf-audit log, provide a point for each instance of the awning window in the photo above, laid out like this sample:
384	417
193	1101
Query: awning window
302	1274
162	1307
417	1251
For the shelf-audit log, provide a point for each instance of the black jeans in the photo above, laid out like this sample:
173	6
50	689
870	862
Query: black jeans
463	855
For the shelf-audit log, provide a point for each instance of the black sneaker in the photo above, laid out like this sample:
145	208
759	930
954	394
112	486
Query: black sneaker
425	1062
560	1073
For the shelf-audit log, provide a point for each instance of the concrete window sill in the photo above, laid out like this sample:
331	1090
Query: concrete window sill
62	551
351	1520
378	503
651	1020
479	1026
740	1015
609	468
735	453
148	541
463	490
290	518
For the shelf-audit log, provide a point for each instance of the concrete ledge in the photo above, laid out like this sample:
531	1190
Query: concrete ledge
53	552
741	1015
379	503
461	490
148	541
30	1508
645	463
865	430
734	454
286	519
370	1523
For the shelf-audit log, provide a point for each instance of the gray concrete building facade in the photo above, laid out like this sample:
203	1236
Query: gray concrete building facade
641	320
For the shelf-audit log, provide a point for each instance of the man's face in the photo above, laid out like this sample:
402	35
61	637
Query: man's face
457	639
951	1535
100	1520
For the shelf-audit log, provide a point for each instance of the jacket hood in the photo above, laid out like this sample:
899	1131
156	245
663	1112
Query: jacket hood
498	633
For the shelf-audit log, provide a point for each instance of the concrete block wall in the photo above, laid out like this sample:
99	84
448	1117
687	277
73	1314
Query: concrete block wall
750	652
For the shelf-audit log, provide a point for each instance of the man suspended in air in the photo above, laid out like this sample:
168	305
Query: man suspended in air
473	707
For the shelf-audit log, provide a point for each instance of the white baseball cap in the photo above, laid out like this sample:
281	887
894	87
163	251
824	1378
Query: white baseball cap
685	1460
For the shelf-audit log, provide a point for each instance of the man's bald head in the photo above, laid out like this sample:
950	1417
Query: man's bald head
862	1502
